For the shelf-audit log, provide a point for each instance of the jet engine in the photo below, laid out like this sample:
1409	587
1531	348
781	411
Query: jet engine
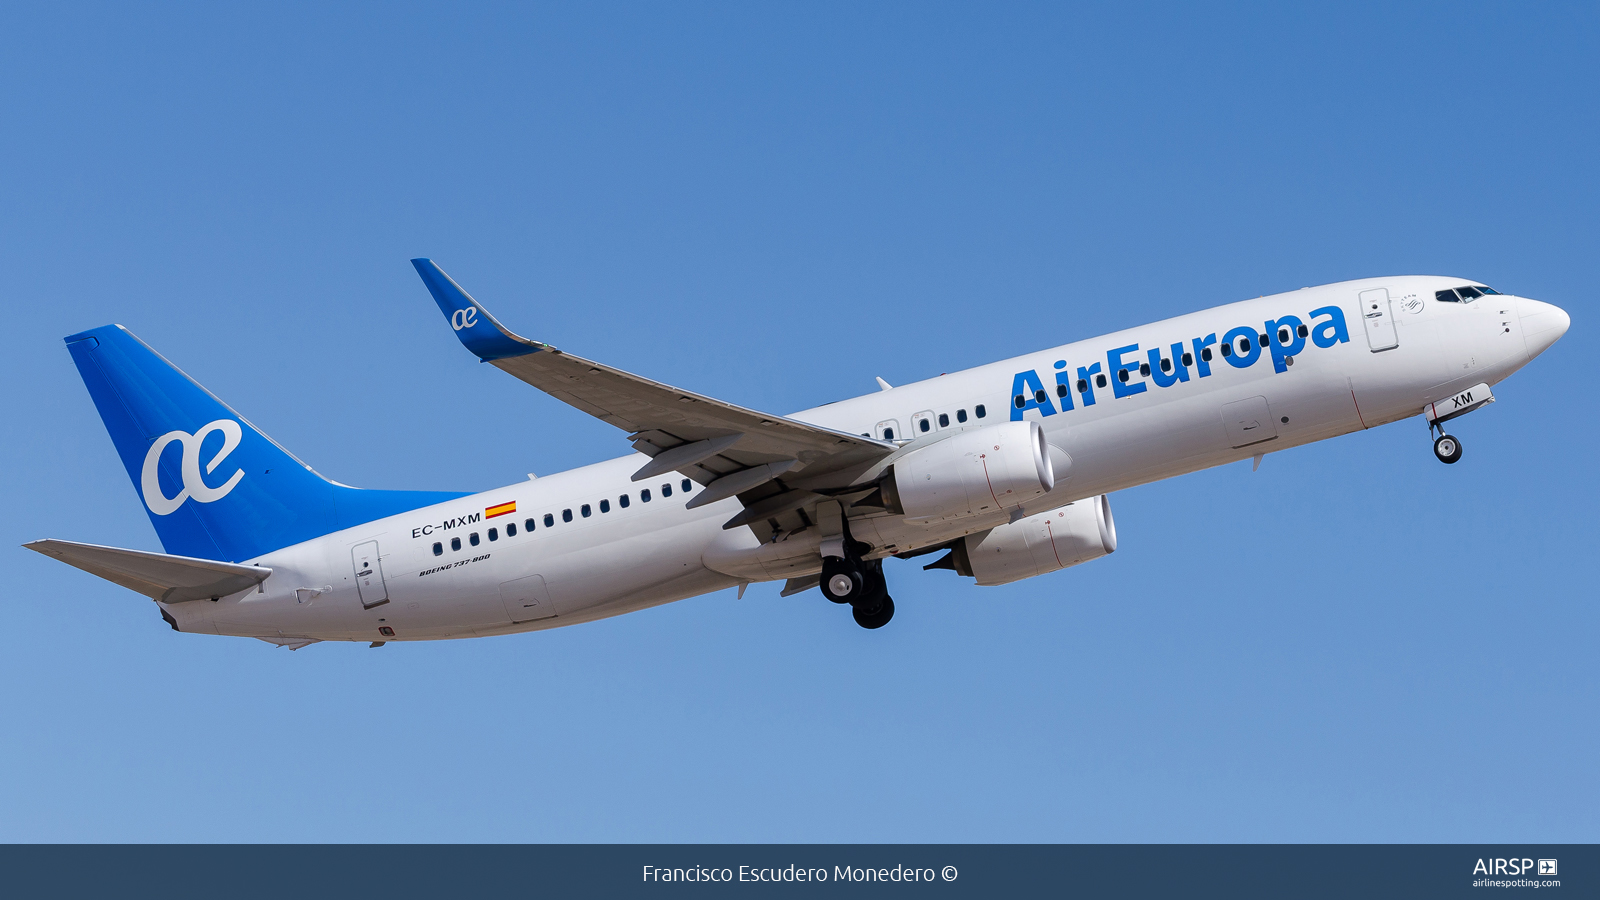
984	470
1040	543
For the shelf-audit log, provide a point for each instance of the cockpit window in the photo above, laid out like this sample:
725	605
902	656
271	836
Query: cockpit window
1468	292
1446	297
1487	290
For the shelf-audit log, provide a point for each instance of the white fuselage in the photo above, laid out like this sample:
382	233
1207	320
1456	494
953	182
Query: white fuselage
657	551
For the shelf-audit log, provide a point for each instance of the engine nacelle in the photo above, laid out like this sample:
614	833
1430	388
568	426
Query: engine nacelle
1040	543
973	473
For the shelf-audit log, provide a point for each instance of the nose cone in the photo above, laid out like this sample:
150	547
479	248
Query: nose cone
1542	324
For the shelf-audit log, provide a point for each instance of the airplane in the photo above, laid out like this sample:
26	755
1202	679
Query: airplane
1004	469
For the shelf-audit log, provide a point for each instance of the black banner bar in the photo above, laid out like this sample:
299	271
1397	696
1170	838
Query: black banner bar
801	870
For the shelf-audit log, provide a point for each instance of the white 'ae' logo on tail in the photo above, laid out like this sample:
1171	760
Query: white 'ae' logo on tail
193	484
464	318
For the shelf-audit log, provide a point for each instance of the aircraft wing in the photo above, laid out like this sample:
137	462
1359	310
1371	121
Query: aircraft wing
772	463
170	579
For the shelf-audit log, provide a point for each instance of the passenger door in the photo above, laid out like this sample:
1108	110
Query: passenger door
888	430
921	423
369	575
1379	319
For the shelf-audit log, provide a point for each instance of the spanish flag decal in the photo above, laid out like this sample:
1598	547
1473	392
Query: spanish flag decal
503	509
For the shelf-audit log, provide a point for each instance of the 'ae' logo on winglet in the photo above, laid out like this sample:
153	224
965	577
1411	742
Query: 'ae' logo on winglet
464	318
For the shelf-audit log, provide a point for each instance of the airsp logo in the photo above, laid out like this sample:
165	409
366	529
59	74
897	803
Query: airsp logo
193	484
464	318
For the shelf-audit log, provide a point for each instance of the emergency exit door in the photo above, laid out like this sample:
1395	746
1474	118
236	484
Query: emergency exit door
1379	319
369	575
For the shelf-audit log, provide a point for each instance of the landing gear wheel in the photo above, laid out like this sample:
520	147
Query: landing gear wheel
842	582
1447	448
875	618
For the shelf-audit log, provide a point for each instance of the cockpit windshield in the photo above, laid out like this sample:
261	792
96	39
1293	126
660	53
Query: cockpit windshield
1464	294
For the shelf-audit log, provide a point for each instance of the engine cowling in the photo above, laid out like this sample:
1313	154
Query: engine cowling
1043	542
973	473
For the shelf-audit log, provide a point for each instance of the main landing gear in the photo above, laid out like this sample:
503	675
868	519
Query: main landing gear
859	583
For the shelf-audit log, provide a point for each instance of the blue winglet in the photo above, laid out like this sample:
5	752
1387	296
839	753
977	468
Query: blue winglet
479	331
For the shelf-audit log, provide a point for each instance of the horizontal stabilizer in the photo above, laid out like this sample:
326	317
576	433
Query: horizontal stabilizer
170	579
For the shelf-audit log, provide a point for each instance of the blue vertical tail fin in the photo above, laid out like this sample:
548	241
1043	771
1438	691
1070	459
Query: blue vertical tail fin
214	486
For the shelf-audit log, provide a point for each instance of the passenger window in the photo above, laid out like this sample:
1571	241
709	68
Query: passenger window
1040	396
1468	293
1019	401
585	511
1061	390
685	485
1144	369
978	410
1083	385
1227	349
644	495
1205	354
1262	342
925	425
1188	360
566	515
605	506
494	534
623	501
1244	345
1303	331
1166	365
549	520
528	525
1446	297
944	420
455	543
511	529
473	539
1283	335
961	415
438	549
1122	375
666	490
888	434
1100	380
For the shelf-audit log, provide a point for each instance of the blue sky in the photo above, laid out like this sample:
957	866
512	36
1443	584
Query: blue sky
773	204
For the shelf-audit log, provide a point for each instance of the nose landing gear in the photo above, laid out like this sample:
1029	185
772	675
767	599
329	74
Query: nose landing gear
1447	448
